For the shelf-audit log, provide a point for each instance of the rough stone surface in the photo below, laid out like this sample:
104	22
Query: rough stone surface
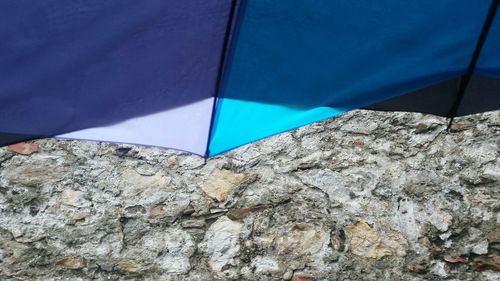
221	183
367	242
366	196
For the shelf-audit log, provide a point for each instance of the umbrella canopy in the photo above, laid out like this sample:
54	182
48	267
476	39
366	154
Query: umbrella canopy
206	76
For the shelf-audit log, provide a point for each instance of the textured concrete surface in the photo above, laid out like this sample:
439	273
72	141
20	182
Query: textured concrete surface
369	195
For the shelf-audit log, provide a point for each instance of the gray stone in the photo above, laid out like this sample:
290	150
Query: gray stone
481	248
365	196
222	243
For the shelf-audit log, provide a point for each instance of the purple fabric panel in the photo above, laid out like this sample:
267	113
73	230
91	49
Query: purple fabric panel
183	128
71	65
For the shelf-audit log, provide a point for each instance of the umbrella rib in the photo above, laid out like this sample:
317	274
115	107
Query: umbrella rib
465	79
222	62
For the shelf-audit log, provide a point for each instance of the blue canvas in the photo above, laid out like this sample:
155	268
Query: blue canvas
307	55
207	76
489	60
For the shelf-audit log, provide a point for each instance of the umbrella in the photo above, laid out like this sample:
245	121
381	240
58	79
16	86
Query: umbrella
206	76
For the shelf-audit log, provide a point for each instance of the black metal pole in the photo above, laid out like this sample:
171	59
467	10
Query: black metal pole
464	81
222	62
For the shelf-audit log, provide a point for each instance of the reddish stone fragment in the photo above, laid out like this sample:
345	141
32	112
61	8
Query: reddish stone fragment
496	260
456	259
358	143
24	148
156	212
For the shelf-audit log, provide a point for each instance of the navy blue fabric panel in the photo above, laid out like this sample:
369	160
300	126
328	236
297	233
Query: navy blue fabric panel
7	139
482	94
348	54
489	60
67	65
436	99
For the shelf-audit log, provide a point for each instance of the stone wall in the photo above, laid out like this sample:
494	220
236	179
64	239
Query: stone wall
369	195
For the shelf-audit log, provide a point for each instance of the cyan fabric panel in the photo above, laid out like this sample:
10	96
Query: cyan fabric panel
68	65
489	60
254	120
307	54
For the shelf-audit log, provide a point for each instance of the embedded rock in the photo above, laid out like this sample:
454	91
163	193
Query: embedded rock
221	183
368	242
222	243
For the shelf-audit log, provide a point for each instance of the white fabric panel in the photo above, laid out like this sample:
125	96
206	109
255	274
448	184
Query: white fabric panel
184	128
